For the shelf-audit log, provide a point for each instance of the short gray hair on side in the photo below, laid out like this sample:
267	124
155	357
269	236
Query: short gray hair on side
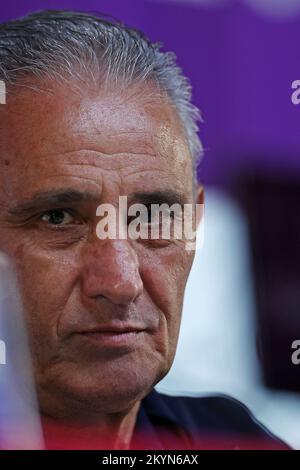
57	44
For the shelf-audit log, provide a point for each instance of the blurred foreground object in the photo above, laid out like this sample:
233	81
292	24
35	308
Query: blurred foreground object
19	422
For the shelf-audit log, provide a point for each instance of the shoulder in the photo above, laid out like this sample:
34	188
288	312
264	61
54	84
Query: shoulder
216	411
219	415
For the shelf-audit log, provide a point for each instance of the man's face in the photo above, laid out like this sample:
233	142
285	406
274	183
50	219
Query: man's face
102	315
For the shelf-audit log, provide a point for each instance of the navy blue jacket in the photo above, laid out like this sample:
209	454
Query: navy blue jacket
213	422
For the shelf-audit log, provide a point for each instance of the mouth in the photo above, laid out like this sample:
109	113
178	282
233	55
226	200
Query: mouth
110	336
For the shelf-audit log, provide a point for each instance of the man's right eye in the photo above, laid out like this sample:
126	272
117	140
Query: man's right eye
57	217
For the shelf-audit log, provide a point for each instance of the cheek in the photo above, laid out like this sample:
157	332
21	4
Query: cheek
164	273
46	283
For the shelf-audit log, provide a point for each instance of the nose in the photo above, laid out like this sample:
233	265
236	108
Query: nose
111	270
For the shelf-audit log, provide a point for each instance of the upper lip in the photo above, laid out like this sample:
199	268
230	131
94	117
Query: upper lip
117	329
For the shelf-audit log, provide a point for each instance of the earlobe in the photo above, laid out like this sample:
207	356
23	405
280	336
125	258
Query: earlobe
200	194
200	204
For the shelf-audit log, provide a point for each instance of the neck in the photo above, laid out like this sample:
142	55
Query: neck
110	431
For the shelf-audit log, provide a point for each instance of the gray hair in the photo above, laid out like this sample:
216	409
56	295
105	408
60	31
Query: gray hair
57	44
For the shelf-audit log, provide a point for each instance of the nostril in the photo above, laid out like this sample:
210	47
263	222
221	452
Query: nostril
98	297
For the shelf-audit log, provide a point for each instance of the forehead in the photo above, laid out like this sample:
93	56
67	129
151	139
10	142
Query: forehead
63	133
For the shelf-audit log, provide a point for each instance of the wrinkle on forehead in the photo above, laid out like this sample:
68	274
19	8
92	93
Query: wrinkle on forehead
86	131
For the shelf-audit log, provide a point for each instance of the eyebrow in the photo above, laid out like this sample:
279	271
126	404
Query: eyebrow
56	198
50	199
168	196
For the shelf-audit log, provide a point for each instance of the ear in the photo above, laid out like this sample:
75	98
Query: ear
200	200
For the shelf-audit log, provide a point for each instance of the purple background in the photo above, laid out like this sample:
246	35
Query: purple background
241	65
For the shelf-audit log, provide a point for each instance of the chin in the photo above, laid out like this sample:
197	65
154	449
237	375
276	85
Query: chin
100	390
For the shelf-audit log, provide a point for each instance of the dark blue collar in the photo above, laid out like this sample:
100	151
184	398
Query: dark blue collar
157	426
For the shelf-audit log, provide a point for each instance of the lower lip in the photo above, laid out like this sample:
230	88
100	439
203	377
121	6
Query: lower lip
111	339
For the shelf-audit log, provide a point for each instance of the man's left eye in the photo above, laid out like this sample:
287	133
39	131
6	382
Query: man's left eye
57	217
